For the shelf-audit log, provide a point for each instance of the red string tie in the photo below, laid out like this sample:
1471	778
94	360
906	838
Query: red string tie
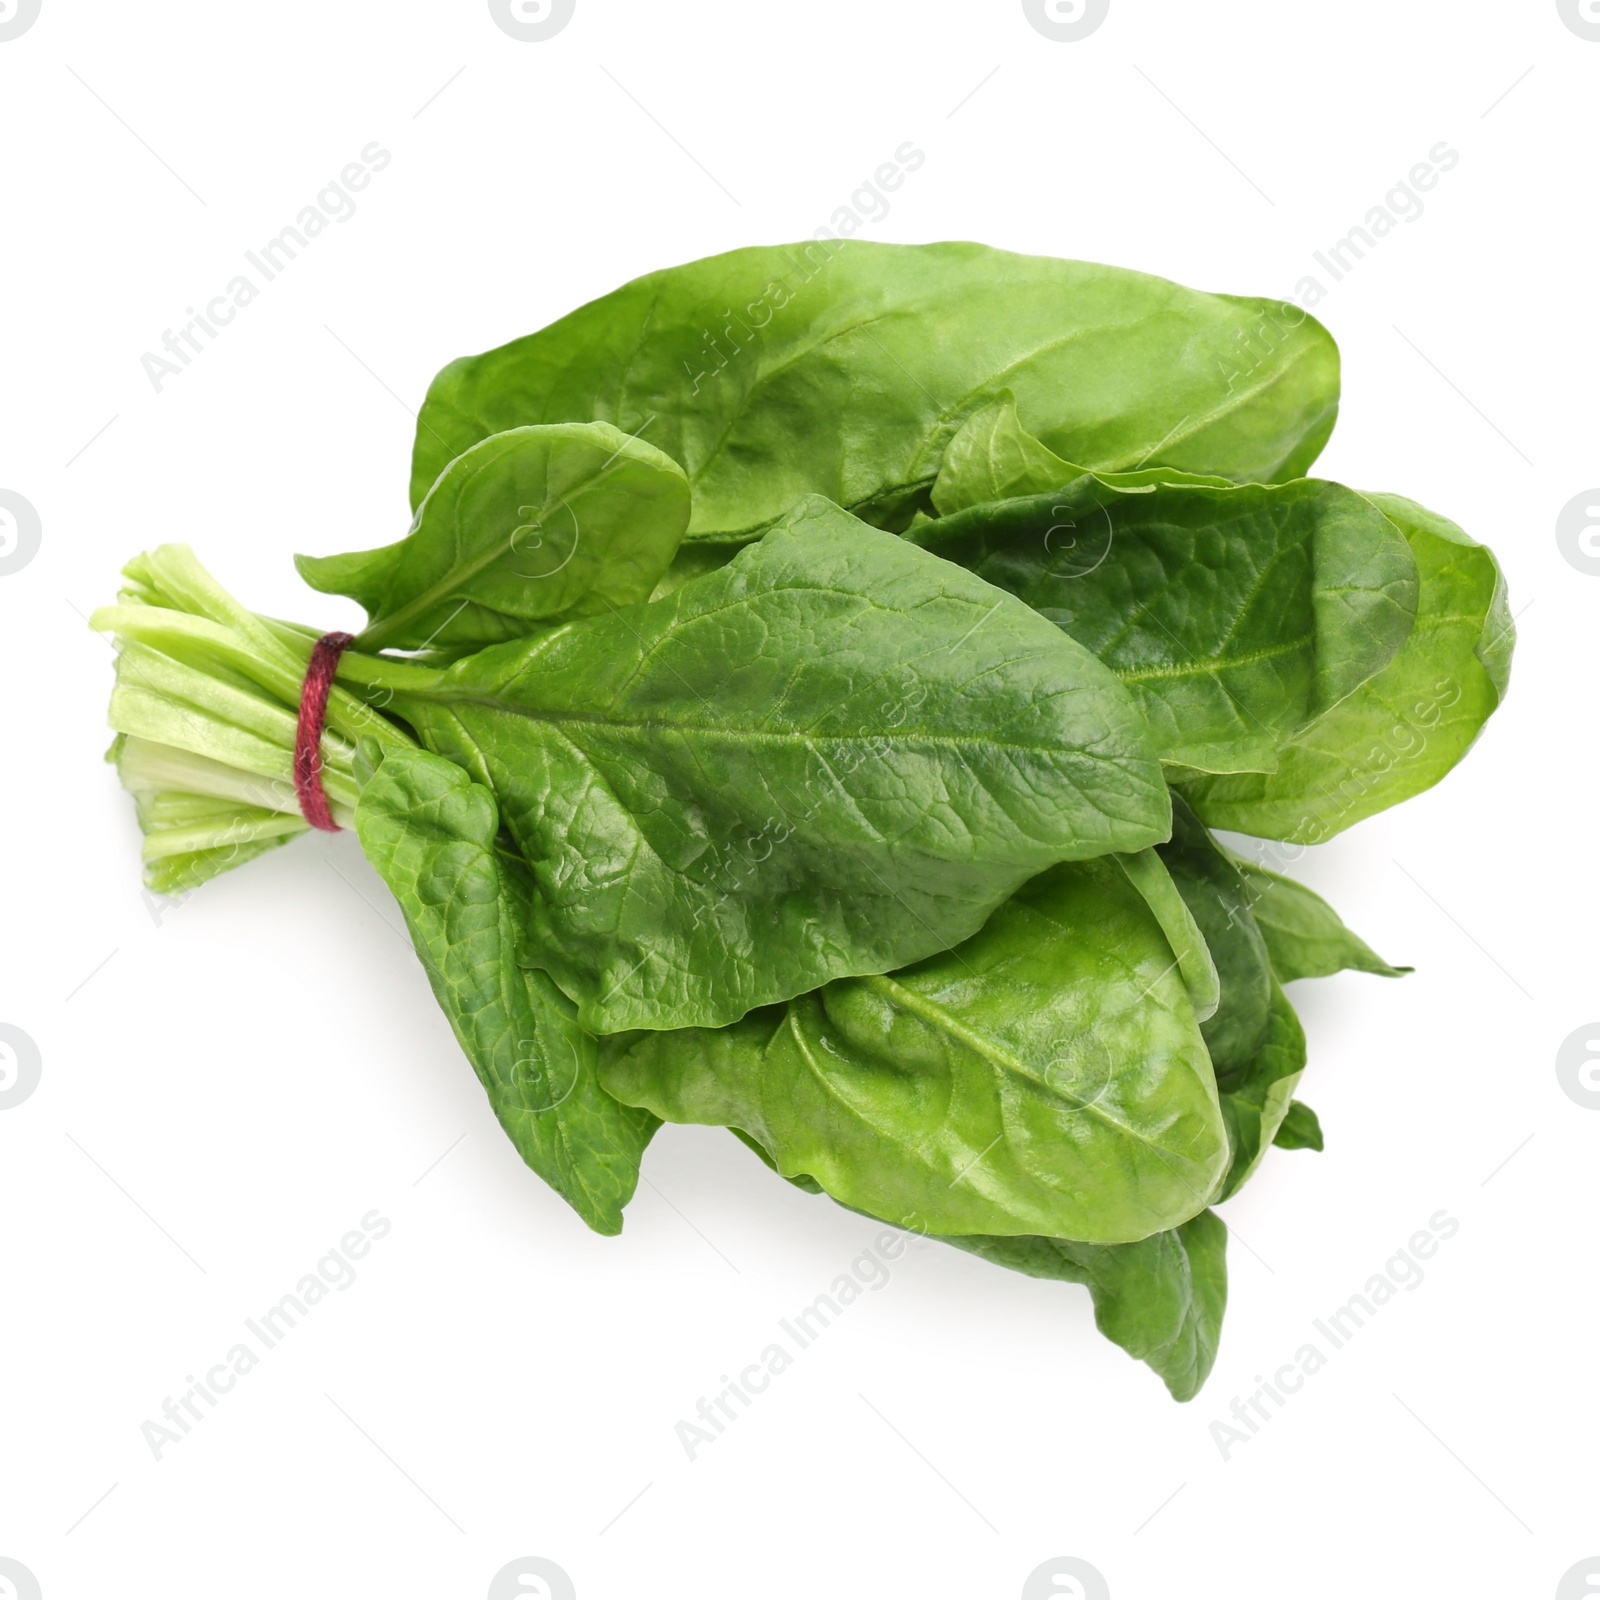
320	671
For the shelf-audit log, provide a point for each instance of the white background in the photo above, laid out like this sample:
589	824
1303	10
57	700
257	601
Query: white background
230	1083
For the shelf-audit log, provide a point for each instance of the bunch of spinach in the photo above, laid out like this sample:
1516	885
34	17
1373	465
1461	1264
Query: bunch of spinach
802	704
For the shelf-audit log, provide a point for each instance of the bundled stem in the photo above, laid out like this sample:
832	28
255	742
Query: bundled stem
205	709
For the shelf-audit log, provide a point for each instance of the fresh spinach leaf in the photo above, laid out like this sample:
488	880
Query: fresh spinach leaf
1216	895
1046	1076
1234	615
1255	1097
1149	875
1299	1129
844	368
430	832
1401	732
833	756
1304	935
1161	1298
525	529
1256	1043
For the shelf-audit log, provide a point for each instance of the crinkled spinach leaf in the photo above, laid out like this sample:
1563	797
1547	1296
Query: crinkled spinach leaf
1234	615
831	757
1161	1298
1404	730
528	528
844	368
1046	1076
430	832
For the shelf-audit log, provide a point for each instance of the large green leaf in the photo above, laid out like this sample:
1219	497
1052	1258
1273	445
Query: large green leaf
834	756
845	368
430	832
531	527
1405	729
1235	615
1161	1299
1304	935
1045	1077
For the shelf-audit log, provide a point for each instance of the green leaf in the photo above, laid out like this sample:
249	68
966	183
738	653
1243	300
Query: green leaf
833	756
1299	1129
1161	1299
1216	895
1148	874
430	832
1405	729
993	457
528	528
1256	1098
1046	1076
844	368
1304	936
1234	615
1257	1046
